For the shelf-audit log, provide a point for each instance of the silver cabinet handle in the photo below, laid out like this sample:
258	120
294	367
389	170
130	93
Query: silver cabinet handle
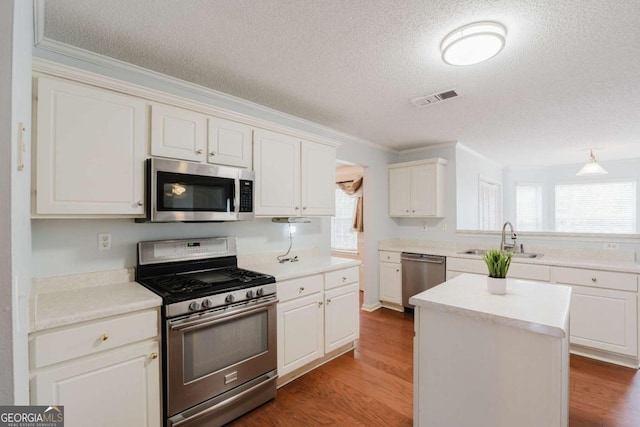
594	279
319	303
199	151
104	337
328	301
344	278
140	203
213	153
297	208
153	356
407	210
301	290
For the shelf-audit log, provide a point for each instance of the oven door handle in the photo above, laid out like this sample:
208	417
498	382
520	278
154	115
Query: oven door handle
189	418
211	320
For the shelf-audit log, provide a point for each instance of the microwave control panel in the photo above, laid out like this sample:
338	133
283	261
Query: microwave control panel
246	196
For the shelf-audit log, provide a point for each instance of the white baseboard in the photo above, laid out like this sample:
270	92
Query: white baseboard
371	307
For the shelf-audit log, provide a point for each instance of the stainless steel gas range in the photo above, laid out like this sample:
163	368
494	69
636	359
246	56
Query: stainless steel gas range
219	329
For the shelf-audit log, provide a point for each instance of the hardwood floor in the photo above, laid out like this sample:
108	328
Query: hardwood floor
372	386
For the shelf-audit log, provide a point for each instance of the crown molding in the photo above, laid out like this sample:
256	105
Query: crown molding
47	52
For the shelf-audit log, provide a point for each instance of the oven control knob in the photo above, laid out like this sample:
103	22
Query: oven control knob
207	303
230	298
194	306
251	294
260	292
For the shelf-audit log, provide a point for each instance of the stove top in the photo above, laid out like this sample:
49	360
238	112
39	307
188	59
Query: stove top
186	286
198	274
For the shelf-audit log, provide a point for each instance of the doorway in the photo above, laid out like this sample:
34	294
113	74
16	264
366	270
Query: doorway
347	242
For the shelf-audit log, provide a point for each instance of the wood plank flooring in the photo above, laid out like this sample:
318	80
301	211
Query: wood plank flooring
372	386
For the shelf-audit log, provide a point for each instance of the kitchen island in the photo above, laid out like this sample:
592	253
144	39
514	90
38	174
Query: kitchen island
487	360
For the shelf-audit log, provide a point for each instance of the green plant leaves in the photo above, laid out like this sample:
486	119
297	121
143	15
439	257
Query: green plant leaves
498	262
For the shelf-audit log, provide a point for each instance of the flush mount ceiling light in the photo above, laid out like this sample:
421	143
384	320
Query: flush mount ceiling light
592	167
473	43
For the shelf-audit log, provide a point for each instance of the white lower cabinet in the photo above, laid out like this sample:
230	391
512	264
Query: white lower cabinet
114	377
300	332
390	289
604	309
316	315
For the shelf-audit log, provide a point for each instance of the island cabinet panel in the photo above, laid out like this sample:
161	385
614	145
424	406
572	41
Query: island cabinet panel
90	149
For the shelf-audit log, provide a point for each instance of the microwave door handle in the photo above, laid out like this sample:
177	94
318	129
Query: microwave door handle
236	197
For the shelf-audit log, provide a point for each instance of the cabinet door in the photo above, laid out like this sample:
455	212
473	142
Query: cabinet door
341	316
390	283
300	332
119	388
229	143
605	319
277	166
91	146
177	133
399	192
424	190
318	169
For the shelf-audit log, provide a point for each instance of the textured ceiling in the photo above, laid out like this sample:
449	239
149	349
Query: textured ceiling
568	79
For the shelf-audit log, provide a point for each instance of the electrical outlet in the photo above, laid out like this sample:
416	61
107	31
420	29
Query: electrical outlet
104	241
611	246
425	228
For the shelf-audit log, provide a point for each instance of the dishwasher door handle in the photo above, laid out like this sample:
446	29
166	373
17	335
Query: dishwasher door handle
423	259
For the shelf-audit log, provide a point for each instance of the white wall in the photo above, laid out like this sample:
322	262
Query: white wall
377	223
16	31
470	166
66	246
6	334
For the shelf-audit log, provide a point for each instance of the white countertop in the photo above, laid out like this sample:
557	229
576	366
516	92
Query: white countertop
65	300
306	266
533	306
578	260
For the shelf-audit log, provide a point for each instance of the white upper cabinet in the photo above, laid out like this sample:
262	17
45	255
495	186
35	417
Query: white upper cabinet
178	133
417	189
229	143
90	149
293	177
318	179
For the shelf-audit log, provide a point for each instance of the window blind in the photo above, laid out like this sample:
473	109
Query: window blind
578	207
529	207
343	238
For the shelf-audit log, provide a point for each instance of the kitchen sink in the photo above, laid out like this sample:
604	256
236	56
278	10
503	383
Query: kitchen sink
481	252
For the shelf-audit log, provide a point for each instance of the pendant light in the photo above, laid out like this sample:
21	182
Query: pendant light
473	43
592	167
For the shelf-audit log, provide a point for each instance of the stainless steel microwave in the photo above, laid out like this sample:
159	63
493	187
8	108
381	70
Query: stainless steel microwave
180	191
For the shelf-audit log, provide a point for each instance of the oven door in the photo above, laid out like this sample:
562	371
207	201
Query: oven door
211	353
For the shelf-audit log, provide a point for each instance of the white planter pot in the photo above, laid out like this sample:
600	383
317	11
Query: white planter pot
497	286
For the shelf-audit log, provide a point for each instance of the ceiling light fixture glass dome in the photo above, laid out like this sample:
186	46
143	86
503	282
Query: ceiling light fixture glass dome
473	43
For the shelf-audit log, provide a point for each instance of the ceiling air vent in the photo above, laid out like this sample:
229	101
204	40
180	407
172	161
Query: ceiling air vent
432	99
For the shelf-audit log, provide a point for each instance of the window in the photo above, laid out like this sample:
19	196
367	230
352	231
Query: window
579	208
529	207
490	205
343	238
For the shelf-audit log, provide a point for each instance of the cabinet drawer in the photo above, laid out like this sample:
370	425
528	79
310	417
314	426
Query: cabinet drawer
295	288
337	278
387	256
75	341
596	278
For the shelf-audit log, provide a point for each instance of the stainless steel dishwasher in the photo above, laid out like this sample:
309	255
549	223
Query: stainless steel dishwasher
419	273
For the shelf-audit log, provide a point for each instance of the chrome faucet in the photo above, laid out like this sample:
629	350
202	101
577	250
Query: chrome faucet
503	244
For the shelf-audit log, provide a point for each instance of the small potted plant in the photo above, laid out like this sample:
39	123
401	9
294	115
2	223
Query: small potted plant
498	263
